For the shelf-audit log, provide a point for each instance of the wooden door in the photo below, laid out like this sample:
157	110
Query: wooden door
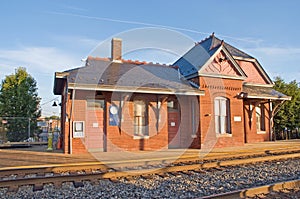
95	126
173	124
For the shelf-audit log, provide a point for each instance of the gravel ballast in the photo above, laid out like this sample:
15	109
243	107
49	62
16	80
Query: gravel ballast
192	185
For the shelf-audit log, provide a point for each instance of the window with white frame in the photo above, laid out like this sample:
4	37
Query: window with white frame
260	118
222	115
78	129
140	118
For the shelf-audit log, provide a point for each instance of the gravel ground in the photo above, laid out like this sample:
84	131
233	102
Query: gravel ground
197	184
286	194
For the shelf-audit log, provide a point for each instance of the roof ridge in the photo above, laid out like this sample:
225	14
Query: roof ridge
216	42
205	39
129	61
231	46
98	58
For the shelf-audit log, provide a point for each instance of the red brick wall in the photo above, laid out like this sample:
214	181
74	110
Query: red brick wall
118	138
122	138
218	87
254	76
252	135
80	113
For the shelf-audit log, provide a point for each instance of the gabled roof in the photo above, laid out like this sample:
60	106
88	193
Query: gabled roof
213	42
203	53
192	62
128	76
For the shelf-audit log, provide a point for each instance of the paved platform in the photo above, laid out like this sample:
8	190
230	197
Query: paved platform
38	155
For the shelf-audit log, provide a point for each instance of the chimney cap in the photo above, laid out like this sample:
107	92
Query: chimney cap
115	38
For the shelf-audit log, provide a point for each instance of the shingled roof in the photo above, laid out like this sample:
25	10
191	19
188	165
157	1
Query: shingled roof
128	76
192	62
212	41
259	92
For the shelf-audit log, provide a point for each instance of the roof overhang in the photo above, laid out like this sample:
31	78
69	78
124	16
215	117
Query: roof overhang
262	92
59	81
110	88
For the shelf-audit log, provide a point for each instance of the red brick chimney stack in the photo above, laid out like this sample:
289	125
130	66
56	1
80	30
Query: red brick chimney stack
116	49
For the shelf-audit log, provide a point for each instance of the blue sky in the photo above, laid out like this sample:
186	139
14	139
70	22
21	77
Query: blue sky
48	36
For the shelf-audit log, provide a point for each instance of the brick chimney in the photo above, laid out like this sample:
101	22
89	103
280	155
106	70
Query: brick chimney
116	49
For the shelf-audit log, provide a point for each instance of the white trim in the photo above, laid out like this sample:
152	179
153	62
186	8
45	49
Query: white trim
258	85
255	61
259	67
131	90
228	54
224	135
61	75
221	76
261	132
210	60
266	97
137	137
243	58
236	65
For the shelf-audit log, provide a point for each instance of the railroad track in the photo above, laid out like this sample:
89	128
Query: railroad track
38	176
259	192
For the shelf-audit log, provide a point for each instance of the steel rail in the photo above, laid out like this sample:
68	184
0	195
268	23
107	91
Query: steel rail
104	166
107	173
255	191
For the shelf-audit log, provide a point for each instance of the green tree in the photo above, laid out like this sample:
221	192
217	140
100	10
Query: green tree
19	101
289	114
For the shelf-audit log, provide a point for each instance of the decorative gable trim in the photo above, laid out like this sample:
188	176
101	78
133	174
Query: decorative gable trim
223	49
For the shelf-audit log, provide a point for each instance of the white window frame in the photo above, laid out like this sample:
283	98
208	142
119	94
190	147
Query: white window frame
222	116
260	119
140	119
78	129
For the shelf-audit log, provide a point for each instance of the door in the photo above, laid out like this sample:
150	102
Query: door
94	125
173	124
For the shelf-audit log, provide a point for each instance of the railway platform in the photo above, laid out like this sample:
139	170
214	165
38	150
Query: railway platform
38	155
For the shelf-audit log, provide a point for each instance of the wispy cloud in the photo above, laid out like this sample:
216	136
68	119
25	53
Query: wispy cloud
74	8
274	51
140	23
78	41
41	63
279	61
41	59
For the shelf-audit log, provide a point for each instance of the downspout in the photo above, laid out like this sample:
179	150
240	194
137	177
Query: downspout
71	122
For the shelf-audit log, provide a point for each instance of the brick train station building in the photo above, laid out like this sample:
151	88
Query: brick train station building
215	95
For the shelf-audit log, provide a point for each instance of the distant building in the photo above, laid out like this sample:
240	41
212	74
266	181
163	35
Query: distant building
46	125
213	96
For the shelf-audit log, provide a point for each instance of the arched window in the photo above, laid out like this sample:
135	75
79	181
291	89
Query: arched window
222	115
